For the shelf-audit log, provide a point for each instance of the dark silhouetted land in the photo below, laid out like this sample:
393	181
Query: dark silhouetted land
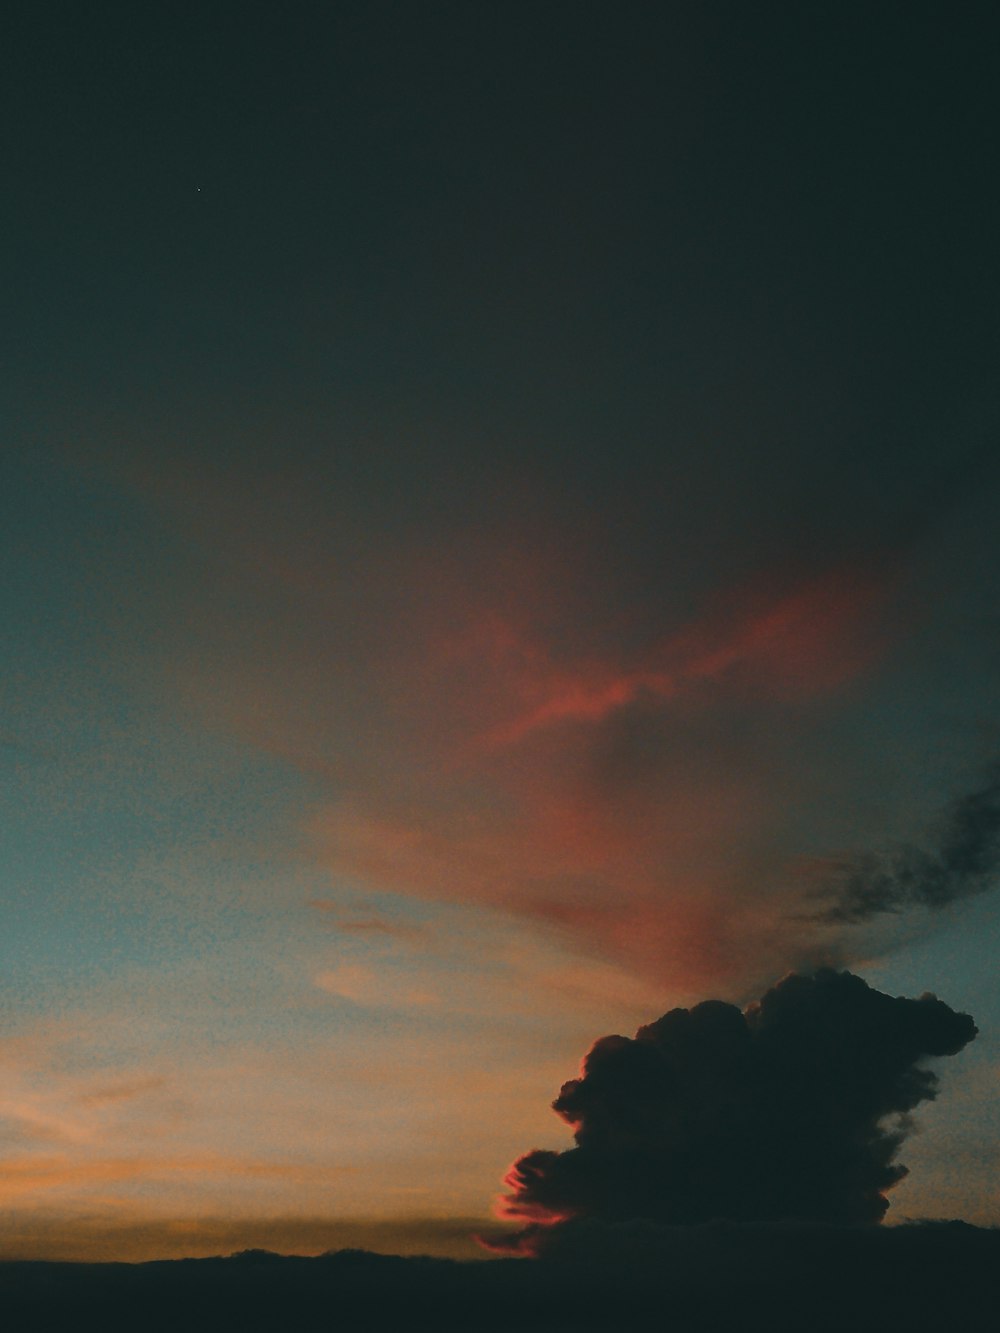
626	1277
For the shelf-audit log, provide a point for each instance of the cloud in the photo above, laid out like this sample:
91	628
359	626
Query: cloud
793	1109
628	741
965	862
38	1105
121	1090
793	642
22	1177
365	985
624	790
368	924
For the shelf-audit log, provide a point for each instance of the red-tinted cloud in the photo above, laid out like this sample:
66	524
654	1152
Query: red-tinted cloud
506	720
792	645
565	807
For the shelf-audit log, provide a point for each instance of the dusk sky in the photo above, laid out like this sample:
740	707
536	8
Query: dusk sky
500	513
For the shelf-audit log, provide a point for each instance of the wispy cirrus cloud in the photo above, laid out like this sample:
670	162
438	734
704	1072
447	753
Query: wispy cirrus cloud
509	707
28	1176
579	810
365	923
798	643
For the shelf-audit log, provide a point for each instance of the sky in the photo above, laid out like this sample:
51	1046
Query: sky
499	511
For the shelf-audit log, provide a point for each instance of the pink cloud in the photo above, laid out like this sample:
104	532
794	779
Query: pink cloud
793	644
503	721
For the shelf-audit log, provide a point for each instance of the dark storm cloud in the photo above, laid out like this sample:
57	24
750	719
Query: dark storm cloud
774	1113
965	862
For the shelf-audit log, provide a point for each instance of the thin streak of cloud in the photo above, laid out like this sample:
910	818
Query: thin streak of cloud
121	1090
369	925
364	985
26	1175
809	640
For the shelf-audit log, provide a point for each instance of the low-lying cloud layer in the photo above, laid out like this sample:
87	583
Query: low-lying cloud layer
793	1109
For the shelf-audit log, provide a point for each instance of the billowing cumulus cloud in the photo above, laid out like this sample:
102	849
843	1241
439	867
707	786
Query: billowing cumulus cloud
792	1109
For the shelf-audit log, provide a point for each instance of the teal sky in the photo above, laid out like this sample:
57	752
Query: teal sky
496	507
